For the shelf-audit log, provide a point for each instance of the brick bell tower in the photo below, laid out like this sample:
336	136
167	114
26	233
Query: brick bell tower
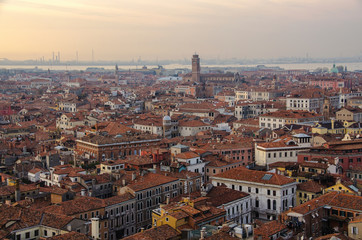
195	68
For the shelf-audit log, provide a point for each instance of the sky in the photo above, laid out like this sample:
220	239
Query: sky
175	29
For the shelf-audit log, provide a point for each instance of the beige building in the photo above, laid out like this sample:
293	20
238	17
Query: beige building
257	95
355	102
69	120
355	228
191	128
349	114
111	166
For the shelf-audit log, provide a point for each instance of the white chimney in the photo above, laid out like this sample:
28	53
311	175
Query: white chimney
95	228
82	192
203	233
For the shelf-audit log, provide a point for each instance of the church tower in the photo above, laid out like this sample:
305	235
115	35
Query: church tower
195	68
326	108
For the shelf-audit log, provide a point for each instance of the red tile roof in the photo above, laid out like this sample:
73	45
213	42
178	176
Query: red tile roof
333	199
222	195
164	232
244	174
310	186
187	155
269	229
76	206
150	180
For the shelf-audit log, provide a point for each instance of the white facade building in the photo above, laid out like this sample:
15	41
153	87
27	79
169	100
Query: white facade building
193	162
281	150
270	193
305	104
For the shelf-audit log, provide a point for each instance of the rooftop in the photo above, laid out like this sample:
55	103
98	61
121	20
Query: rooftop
243	174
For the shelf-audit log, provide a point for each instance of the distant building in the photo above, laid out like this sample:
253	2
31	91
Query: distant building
349	114
346	154
278	119
107	147
258	95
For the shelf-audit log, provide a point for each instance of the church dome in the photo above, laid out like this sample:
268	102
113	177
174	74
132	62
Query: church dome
166	118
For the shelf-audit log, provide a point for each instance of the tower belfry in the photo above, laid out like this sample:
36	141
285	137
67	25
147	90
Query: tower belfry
195	68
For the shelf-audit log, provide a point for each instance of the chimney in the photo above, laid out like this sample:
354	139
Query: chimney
74	160
203	233
332	123
167	200
123	182
17	190
95	228
133	176
142	230
82	192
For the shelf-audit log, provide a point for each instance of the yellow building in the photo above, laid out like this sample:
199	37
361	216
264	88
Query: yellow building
332	127
307	191
284	168
188	213
354	129
342	187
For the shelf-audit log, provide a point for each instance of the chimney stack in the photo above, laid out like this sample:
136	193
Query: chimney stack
332	123
203	233
95	228
17	190
83	192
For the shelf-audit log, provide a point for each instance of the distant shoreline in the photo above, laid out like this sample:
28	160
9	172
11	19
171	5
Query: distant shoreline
351	66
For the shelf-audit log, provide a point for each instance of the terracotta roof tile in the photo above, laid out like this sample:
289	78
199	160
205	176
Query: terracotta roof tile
269	229
244	174
333	199
187	155
150	180
164	232
310	186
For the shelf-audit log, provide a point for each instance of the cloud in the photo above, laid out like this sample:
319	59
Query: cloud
117	29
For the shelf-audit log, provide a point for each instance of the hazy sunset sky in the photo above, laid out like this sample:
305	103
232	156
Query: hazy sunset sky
175	29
